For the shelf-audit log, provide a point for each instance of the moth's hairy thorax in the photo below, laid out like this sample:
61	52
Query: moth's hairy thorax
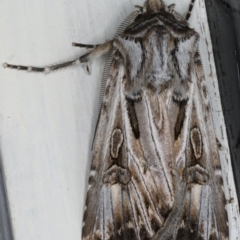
158	68
156	52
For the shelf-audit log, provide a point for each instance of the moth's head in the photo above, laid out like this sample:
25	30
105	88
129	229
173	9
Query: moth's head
154	6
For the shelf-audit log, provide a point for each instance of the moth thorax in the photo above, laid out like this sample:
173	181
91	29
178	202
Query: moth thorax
154	5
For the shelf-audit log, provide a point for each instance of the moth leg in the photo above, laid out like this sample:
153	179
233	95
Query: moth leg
46	70
190	8
98	51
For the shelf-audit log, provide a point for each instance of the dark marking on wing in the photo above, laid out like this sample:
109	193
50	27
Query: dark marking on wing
180	118
133	117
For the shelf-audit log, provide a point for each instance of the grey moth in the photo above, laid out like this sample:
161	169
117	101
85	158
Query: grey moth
155	171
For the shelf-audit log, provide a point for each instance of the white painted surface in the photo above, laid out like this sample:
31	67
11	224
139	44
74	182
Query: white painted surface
47	122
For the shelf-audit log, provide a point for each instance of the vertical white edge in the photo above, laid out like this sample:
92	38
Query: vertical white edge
218	119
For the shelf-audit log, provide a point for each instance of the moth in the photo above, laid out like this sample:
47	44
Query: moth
155	171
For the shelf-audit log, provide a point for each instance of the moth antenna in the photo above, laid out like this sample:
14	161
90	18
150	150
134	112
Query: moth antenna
190	8
108	63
